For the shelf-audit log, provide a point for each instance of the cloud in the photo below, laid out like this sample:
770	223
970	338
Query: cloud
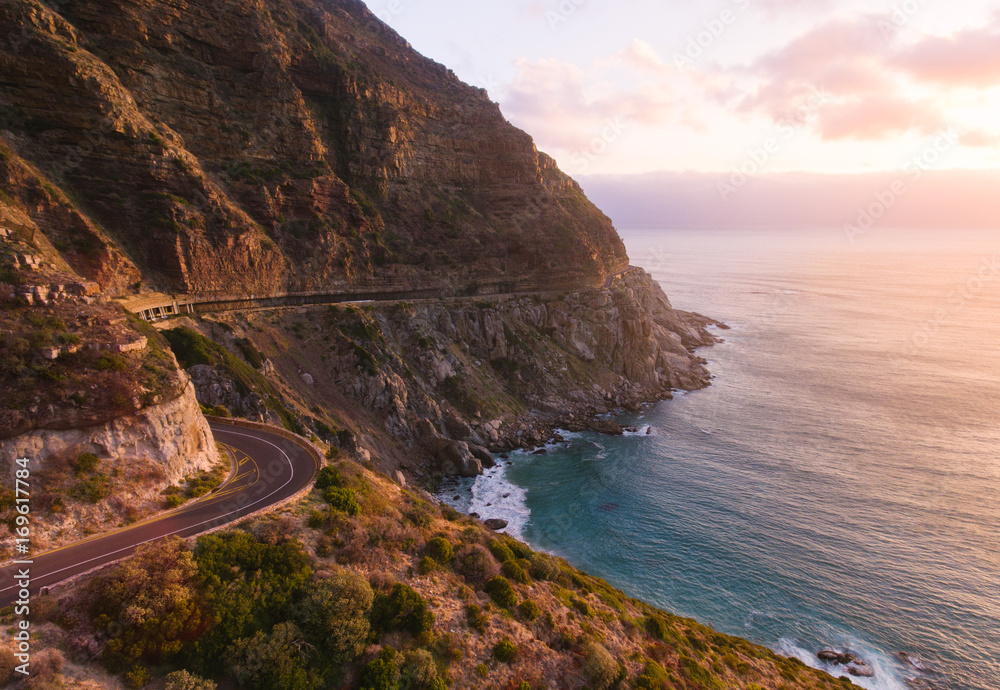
969	58
640	55
565	106
871	85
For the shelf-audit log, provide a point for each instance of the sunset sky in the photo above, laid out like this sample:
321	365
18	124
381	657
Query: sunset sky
769	86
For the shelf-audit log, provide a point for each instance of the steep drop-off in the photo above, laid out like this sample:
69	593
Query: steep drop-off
288	145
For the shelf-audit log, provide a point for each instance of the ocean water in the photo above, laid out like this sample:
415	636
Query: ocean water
837	486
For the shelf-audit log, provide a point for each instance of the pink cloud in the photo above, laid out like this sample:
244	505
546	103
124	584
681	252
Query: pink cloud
565	107
968	58
857	69
878	117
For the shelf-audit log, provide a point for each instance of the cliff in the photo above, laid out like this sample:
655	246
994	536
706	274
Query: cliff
266	147
132	460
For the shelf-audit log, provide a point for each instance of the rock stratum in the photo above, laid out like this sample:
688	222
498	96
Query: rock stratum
267	147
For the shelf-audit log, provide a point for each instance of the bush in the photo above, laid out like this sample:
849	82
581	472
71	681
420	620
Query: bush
529	610
657	628
8	662
343	500
402	609
502	592
654	677
501	551
482	671
600	669
476	564
544	567
86	463
381	673
583	607
316	519
274	661
504	651
138	676
440	550
153	598
182	680
513	571
427	565
327	477
334	613
419	669
520	549
476	618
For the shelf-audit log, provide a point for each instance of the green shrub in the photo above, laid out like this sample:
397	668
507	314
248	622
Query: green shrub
316	519
600	669
583	607
334	612
138	676
513	571
327	477
502	592
382	672
544	567
654	677
419	670
501	551
155	593
440	550
402	609
427	565
343	500
529	610
504	651
93	489
271	661
657	628
476	618
520	549
182	680
173	501
482	671
87	462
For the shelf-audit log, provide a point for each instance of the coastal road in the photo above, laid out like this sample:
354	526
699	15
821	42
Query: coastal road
269	468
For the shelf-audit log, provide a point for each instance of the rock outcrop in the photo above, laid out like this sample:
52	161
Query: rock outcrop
174	435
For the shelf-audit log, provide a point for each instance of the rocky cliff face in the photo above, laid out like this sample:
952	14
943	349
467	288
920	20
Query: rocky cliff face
448	381
279	145
138	455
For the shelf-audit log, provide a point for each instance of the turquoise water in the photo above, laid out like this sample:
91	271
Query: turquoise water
837	486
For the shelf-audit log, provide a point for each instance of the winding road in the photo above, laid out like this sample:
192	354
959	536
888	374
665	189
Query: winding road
268	469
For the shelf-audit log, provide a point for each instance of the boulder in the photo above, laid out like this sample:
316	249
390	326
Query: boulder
496	524
606	427
482	455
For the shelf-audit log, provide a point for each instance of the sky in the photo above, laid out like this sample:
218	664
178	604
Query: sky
729	87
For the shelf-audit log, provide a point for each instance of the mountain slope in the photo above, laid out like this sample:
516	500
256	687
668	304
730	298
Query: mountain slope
279	146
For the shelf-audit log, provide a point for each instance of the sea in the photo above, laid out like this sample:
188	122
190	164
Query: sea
838	485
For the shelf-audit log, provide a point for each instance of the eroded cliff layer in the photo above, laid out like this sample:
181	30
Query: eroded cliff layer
281	145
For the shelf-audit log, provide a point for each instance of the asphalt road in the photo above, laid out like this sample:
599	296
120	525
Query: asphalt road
269	469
